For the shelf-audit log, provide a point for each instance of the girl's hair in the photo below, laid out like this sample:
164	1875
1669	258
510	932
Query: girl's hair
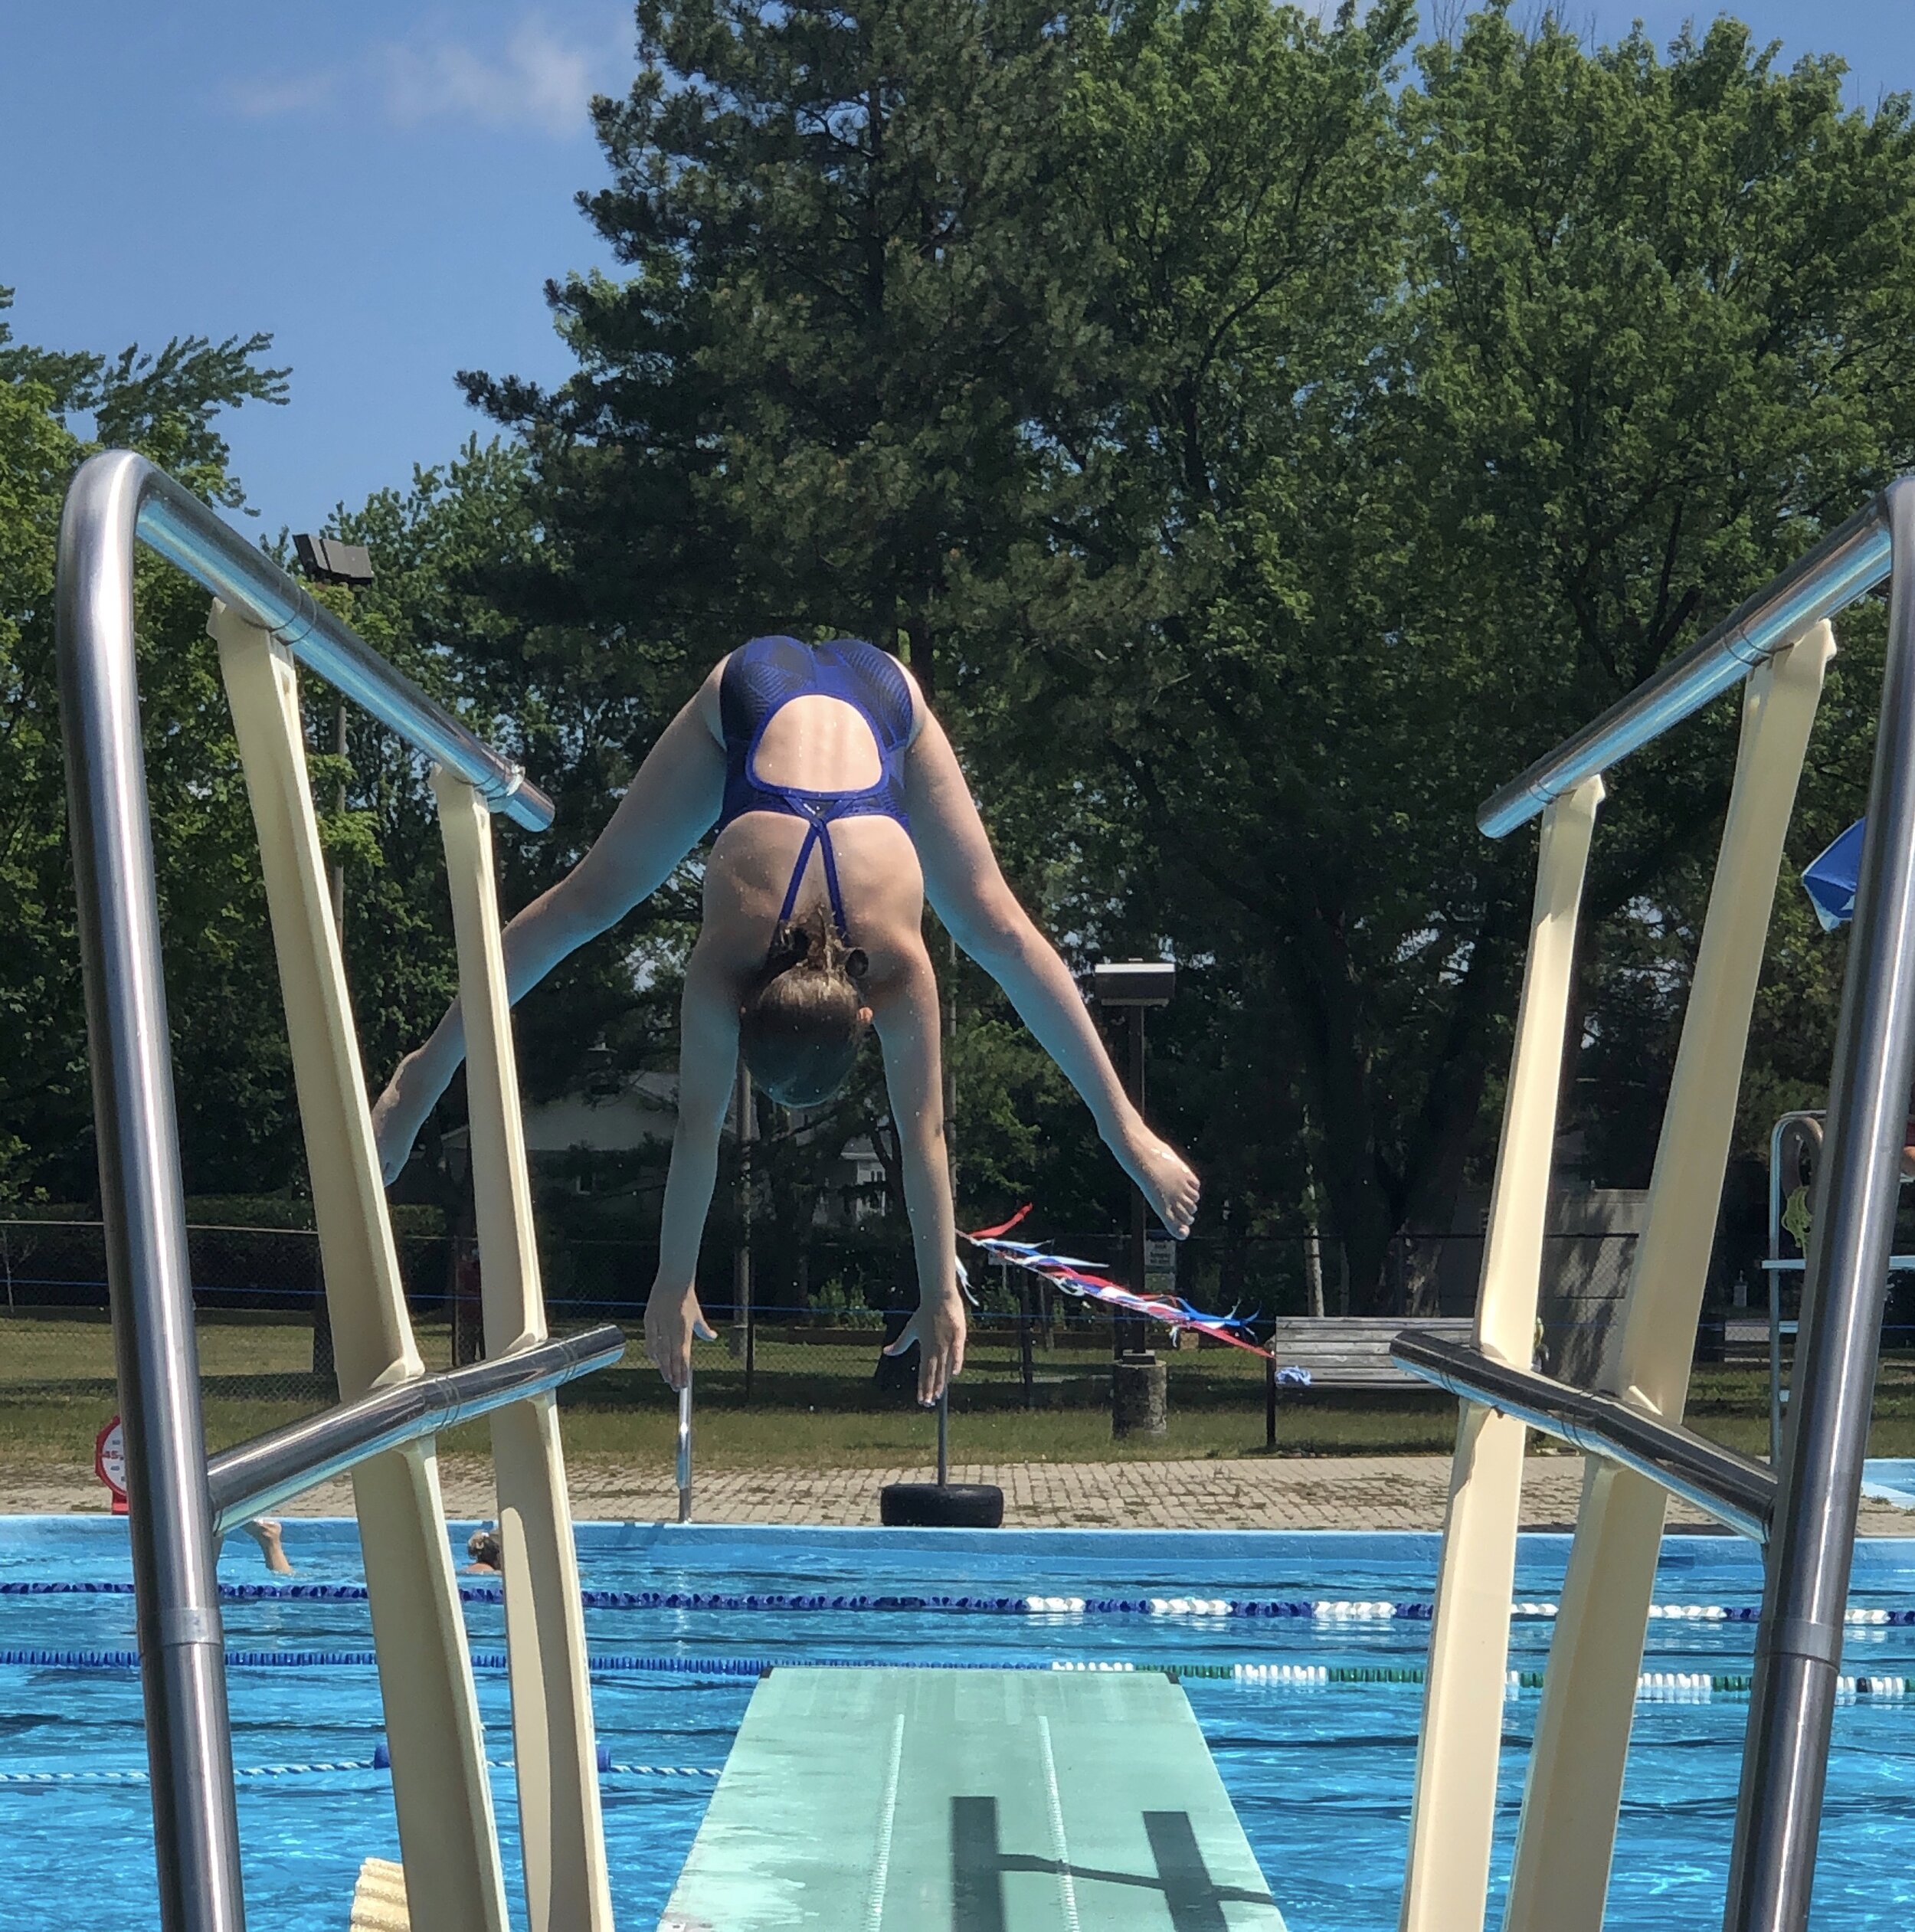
801	1026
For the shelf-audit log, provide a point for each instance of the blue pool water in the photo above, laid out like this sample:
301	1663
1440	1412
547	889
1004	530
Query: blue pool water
1321	1775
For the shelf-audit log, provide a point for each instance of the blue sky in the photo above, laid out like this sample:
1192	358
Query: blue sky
384	188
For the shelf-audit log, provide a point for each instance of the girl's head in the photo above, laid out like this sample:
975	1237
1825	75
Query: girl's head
800	1027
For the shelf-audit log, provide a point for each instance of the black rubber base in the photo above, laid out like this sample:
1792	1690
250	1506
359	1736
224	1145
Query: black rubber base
945	1506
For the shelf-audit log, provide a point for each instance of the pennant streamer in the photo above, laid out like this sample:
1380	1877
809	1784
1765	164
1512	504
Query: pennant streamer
1081	1281
1830	880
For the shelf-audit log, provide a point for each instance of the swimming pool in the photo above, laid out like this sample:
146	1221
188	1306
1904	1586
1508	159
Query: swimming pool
1319	1772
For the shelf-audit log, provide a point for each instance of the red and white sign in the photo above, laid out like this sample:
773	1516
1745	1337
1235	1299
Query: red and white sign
109	1463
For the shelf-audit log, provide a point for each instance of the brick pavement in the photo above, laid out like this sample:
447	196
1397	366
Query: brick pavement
1355	1492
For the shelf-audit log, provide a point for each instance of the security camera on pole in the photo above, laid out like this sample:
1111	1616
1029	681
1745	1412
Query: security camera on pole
1139	1399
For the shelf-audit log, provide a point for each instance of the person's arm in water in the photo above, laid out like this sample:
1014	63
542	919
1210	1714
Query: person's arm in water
968	892
905	1010
708	1057
669	806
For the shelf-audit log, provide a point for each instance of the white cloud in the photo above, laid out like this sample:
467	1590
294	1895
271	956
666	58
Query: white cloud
538	79
297	94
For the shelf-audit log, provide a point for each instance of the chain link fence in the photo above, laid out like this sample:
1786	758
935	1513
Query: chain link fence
804	1341
807	1331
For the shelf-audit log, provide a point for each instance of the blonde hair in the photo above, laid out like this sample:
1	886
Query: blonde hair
801	1026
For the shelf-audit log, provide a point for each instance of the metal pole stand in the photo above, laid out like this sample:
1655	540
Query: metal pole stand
685	1450
942	1504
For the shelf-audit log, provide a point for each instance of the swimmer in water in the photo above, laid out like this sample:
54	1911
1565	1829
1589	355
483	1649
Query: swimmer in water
839	808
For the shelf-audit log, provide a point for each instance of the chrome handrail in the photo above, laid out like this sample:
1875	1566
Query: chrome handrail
1846	564
1738	1492
116	502
273	1468
109	489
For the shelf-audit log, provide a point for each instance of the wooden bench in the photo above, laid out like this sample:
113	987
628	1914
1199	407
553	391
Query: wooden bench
1353	1351
1344	1352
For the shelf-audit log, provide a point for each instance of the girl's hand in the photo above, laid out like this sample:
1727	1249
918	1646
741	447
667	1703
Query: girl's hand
937	1330
672	1320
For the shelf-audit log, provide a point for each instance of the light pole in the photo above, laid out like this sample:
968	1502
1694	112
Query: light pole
1139	1397
326	560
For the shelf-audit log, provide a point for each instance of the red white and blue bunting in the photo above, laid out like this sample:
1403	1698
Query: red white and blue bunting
1081	1281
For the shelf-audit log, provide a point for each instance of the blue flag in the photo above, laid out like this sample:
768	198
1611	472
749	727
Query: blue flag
1830	881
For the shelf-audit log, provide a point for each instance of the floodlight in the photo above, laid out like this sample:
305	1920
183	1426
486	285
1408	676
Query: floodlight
1134	983
327	561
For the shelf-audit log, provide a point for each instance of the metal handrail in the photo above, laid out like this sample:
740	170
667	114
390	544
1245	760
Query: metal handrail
273	1468
110	489
1812	1525
1736	1491
1846	564
116	502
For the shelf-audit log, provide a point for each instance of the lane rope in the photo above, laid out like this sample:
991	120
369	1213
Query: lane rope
1325	1610
1653	1685
380	1760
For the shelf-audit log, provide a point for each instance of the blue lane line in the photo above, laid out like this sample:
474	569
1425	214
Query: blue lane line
1025	1604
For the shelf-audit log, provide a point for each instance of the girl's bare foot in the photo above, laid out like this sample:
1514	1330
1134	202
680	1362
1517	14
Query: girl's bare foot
1168	1182
396	1121
265	1532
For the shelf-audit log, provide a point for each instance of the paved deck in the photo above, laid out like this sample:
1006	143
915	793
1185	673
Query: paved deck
1354	1492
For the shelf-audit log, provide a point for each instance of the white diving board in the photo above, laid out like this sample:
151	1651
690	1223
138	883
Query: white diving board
982	1801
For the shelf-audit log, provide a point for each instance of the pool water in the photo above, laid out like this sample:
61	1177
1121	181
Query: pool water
1320	1774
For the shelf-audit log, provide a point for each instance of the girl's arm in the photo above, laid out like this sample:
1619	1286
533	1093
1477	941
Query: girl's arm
669	806
967	890
707	1067
905	1011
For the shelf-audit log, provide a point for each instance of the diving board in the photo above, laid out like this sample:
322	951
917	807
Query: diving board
978	1800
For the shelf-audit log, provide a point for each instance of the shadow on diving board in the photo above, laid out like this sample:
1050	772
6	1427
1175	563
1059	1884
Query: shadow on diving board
980	1801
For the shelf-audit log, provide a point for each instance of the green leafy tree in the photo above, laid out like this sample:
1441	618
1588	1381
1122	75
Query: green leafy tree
235	1108
1261	455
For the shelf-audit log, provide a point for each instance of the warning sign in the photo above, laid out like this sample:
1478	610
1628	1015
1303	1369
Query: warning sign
1159	1265
109	1463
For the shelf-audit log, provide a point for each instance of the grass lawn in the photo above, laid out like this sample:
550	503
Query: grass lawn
817	1405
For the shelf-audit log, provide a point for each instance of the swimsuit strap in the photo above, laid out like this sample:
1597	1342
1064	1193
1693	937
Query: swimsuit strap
818	833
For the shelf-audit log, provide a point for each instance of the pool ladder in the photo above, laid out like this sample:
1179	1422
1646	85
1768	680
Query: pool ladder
383	1432
1802	1511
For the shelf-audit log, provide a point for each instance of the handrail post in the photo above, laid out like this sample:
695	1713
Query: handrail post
1559	1877
441	1792
561	1828
143	1203
1453	1814
1798	1642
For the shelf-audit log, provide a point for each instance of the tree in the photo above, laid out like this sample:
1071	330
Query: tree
229	1074
1531	373
1262	457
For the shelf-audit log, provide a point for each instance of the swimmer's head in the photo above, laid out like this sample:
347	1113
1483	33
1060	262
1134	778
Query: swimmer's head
484	1546
800	1026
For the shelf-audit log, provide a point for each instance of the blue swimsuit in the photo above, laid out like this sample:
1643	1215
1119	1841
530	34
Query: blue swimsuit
763	676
